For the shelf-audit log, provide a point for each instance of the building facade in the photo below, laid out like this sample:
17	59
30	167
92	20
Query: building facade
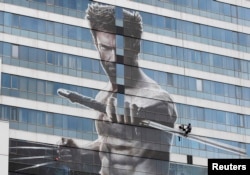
102	87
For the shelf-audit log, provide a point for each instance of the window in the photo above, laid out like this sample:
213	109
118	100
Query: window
15	21
87	125
159	21
182	83
118	13
14	114
230	63
215	6
24	84
65	60
14	82
28	23
5	113
196	57
245	93
41	56
72	62
147	47
207	86
234	37
41	25
96	67
219	88
32	117
7	49
87	64
50	57
204	31
79	124
242	39
147	18
162	79
50	2
180	53
200	113
40	87
238	92
120	100
40	118
199	85
232	91
72	123
226	9
1	18
23	115
120	70
216	33
49	88
244	66
161	49
241	120
86	36
218	61
247	121
170	79
119	41
233	11
49	27
170	23
32	85
49	119
6	80
191	84
7	19
58	123
57	29
23	53
59	59
32	55
220	117
1	47
79	63
81	5
72	32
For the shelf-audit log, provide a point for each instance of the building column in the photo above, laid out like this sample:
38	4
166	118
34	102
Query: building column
4	147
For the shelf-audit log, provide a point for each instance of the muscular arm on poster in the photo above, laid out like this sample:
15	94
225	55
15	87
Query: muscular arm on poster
160	111
120	137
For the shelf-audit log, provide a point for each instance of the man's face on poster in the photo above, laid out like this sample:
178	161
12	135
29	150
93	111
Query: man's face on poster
105	43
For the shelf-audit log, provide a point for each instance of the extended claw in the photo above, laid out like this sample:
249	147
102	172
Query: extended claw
32	147
36	166
32	157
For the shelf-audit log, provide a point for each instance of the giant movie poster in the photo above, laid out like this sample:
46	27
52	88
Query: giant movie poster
132	113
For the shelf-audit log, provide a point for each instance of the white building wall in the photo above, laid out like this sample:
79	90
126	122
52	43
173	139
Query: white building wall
4	148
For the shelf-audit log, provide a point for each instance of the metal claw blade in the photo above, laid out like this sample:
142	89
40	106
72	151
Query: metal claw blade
36	166
32	147
32	157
